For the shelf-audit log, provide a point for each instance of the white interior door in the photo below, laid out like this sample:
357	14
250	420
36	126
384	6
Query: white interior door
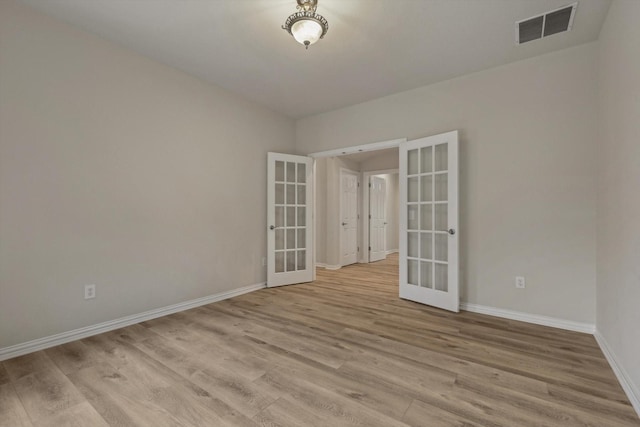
377	219
289	219
429	221
348	217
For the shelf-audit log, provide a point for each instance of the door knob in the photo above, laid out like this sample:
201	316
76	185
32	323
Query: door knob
344	223
272	227
452	231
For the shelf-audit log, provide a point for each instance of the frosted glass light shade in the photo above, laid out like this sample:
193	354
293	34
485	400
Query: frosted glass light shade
306	26
306	31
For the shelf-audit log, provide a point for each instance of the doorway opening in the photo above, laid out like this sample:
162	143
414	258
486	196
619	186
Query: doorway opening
428	218
345	234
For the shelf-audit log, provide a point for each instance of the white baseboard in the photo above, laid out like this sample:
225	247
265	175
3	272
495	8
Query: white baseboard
328	266
392	251
76	334
632	391
569	325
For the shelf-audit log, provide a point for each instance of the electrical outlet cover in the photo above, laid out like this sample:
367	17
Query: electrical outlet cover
89	291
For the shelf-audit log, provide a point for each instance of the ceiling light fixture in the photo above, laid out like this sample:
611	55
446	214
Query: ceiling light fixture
306	26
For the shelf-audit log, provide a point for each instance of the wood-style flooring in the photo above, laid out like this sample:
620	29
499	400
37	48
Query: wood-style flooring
342	351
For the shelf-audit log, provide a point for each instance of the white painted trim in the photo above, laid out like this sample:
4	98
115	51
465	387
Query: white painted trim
570	325
393	251
359	148
76	334
328	266
314	215
382	172
632	390
364	254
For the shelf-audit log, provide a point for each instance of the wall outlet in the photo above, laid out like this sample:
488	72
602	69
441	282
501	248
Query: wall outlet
89	291
520	283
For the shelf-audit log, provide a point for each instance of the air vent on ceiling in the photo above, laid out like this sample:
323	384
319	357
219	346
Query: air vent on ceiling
537	27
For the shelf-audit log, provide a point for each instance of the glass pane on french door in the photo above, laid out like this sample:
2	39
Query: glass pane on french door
429	244
291	256
289	218
427	227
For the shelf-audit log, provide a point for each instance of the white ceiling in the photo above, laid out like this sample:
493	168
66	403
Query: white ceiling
373	48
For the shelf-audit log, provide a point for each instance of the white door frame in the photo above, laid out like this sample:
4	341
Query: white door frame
313	218
372	146
364	258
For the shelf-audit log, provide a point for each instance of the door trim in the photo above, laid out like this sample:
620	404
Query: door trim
372	146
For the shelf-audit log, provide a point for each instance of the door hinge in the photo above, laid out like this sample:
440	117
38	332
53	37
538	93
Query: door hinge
358	216
369	185
369	216
358	248
369	248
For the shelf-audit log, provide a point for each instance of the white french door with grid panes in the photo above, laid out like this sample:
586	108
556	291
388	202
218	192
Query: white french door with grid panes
429	221
289	220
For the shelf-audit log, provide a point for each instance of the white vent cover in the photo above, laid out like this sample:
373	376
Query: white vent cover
546	24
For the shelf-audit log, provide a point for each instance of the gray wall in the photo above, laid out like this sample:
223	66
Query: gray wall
528	137
120	172
619	188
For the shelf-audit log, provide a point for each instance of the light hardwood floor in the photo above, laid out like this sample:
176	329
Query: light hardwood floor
342	351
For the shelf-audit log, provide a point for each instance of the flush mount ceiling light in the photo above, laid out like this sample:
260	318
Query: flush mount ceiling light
306	26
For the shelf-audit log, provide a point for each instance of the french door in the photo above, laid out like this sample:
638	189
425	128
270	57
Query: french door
429	221
289	219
